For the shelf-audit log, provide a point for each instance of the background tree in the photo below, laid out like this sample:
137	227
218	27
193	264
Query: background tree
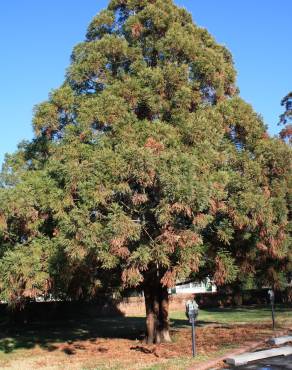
286	118
146	168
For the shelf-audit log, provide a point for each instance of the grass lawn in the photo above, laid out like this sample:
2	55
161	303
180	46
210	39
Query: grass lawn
117	343
240	315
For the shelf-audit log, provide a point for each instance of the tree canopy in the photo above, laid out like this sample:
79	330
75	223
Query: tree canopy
146	168
286	118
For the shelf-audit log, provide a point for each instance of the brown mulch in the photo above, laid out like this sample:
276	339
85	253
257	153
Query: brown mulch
131	354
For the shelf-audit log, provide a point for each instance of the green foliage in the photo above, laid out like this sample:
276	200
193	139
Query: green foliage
24	272
286	119
145	162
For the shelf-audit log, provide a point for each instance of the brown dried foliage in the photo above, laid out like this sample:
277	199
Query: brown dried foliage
138	199
131	277
137	29
169	278
188	239
216	206
180	208
118	249
220	273
154	145
178	239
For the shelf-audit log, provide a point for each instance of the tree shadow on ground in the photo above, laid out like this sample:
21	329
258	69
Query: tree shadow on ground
46	335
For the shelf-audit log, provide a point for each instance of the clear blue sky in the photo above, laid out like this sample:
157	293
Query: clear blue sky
37	38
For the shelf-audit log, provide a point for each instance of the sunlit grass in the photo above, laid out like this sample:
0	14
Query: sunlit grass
241	314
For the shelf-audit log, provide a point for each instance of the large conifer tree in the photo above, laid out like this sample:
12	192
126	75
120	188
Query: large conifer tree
146	168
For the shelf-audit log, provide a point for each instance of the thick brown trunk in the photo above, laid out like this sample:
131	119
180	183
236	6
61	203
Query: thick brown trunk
163	315
157	306
152	310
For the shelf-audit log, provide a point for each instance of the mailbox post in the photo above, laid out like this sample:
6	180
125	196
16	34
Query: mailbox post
272	300
192	310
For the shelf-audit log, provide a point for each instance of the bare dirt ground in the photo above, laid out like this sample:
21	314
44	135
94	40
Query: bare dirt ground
115	353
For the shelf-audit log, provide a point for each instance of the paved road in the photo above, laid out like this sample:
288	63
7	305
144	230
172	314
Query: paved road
276	363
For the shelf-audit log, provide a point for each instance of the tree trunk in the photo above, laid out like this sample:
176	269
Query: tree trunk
163	315
157	306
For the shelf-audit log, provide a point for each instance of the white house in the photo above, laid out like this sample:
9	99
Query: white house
194	287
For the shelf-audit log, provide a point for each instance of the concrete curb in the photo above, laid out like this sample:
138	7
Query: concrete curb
249	346
278	341
247	357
